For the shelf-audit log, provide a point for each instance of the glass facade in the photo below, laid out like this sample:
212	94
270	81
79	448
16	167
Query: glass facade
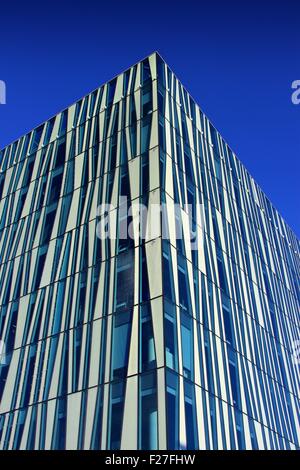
153	341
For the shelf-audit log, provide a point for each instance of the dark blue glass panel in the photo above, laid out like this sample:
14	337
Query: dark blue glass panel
117	393
120	344
148	412
172	397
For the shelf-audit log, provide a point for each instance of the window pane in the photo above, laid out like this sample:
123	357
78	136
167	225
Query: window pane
121	342
125	280
117	393
172	411
148	412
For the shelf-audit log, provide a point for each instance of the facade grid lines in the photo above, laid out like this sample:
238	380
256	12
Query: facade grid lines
143	342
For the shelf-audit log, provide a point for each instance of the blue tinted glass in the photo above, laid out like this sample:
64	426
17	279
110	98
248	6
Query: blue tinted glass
60	425
172	411
160	69
145	131
171	341
228	325
187	346
120	344
111	91
117	395
190	416
148	412
63	123
125	280
36	138
49	128
148	358
146	73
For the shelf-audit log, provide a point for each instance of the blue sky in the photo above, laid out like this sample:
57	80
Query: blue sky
237	59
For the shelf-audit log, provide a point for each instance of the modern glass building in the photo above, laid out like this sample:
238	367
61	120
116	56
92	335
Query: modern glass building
180	337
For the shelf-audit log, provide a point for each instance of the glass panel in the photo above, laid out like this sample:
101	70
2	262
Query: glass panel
121	343
183	285
187	345
36	138
172	411
190	416
117	392
124	280
147	100
59	437
50	125
148	357
168	284
144	281
145	134
148	412
56	182
146	70
171	336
